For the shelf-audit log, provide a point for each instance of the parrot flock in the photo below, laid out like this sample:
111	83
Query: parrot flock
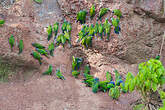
86	35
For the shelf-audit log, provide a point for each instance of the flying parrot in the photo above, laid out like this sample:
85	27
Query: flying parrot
55	28
81	16
92	11
101	31
49	31
49	70
59	74
51	49
108	76
20	46
11	42
64	26
117	12
2	22
103	85
75	73
114	92
37	56
102	12
42	52
95	85
37	45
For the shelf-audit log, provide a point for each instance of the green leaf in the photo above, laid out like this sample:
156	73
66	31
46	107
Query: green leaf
154	87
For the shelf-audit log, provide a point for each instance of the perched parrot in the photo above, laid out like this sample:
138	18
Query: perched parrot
20	46
95	85
2	22
59	40
102	12
101	31
157	57
38	1
92	11
68	38
117	75
118	82
81	35
74	63
117	29
51	49
108	76
91	30
96	28
37	45
108	30
11	42
103	85
115	22
81	16
87	76
75	73
122	86
49	71
55	28
63	40
64	26
49	31
69	28
37	56
89	82
42	52
87	69
59	74
117	12
111	85
114	92
89	41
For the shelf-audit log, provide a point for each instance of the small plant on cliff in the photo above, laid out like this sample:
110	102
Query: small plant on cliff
150	79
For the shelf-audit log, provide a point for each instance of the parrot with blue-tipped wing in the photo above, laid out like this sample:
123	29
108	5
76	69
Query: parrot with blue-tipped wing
37	56
102	12
81	16
75	73
95	85
68	38
2	22
89	82
103	85
42	52
108	76
69	28
51	49
58	40
55	28
83	42
122	86
92	11
20	46
89	41
11	42
91	30
64	26
59	74
117	12
111	85
115	22
96	28
37	45
48	71
50	32
101	31
108	30
63	40
114	92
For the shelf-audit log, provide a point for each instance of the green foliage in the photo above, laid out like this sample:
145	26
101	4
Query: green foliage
150	78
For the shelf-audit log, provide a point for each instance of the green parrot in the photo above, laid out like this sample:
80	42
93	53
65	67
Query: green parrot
108	76
117	12
103	85
59	75
101	29
20	46
102	12
108	30
105	24
69	28
51	49
49	70
68	38
114	92
89	42
49	31
111	85
122	86
117	75
83	42
55	28
92	11
64	26
89	82
59	40
87	69
74	63
157	57
96	28
37	45
115	22
2	22
11	42
63	40
37	56
91	30
95	85
81	16
42	52
38	1
81	35
75	73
